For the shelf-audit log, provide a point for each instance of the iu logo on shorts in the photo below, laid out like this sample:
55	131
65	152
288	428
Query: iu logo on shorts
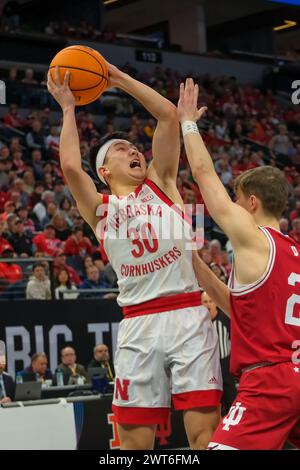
234	416
114	443
122	389
163	432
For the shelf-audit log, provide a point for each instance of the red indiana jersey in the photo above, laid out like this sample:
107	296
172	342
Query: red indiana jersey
265	315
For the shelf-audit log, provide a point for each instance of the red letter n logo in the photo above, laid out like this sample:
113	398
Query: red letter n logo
122	389
114	443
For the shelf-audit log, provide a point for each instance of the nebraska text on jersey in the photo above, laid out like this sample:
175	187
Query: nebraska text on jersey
134	210
145	237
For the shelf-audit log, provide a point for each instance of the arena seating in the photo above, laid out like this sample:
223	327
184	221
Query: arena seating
245	127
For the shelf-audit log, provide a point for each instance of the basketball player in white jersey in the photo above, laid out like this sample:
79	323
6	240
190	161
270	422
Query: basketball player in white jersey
167	347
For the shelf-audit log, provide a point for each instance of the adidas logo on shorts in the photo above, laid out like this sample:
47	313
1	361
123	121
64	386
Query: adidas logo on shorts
213	380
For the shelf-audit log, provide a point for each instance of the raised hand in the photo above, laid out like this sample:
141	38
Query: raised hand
115	76
187	108
61	91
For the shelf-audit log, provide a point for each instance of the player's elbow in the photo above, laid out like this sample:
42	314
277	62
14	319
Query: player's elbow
69	169
199	171
169	112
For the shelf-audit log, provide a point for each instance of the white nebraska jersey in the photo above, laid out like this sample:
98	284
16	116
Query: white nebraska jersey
146	241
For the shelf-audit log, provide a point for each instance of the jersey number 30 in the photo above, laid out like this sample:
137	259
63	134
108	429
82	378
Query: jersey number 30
144	239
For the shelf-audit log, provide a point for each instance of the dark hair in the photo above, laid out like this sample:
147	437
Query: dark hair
268	184
22	208
95	149
36	356
68	283
62	202
77	229
38	265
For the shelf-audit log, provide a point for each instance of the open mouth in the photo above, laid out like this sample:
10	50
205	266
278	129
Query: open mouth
135	164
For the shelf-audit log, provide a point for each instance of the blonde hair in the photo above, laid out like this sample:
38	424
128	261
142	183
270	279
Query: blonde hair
268	184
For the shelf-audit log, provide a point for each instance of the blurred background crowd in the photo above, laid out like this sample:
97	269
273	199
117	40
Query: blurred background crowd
244	127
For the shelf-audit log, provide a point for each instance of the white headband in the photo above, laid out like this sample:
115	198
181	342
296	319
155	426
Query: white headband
102	154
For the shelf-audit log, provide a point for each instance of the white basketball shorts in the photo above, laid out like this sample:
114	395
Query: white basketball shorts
161	355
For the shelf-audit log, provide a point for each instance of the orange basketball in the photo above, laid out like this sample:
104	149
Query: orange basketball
88	72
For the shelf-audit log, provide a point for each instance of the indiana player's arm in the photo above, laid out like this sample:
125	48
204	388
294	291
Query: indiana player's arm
215	288
81	185
236	222
166	139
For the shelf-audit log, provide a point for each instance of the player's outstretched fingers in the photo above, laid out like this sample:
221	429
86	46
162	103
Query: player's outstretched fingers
190	86
57	78
50	83
201	112
66	79
195	95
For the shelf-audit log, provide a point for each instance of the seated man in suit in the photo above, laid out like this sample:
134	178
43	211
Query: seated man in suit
38	369
7	385
70	369
101	359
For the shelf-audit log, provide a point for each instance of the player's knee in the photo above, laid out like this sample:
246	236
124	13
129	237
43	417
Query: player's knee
201	432
135	438
130	443
200	440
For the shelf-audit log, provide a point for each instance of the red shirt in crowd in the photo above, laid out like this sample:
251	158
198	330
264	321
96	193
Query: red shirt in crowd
295	236
19	165
47	246
295	214
75	247
10	272
3	199
5	245
14	120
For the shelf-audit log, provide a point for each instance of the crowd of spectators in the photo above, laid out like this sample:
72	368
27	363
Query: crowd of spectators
79	30
11	21
245	127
